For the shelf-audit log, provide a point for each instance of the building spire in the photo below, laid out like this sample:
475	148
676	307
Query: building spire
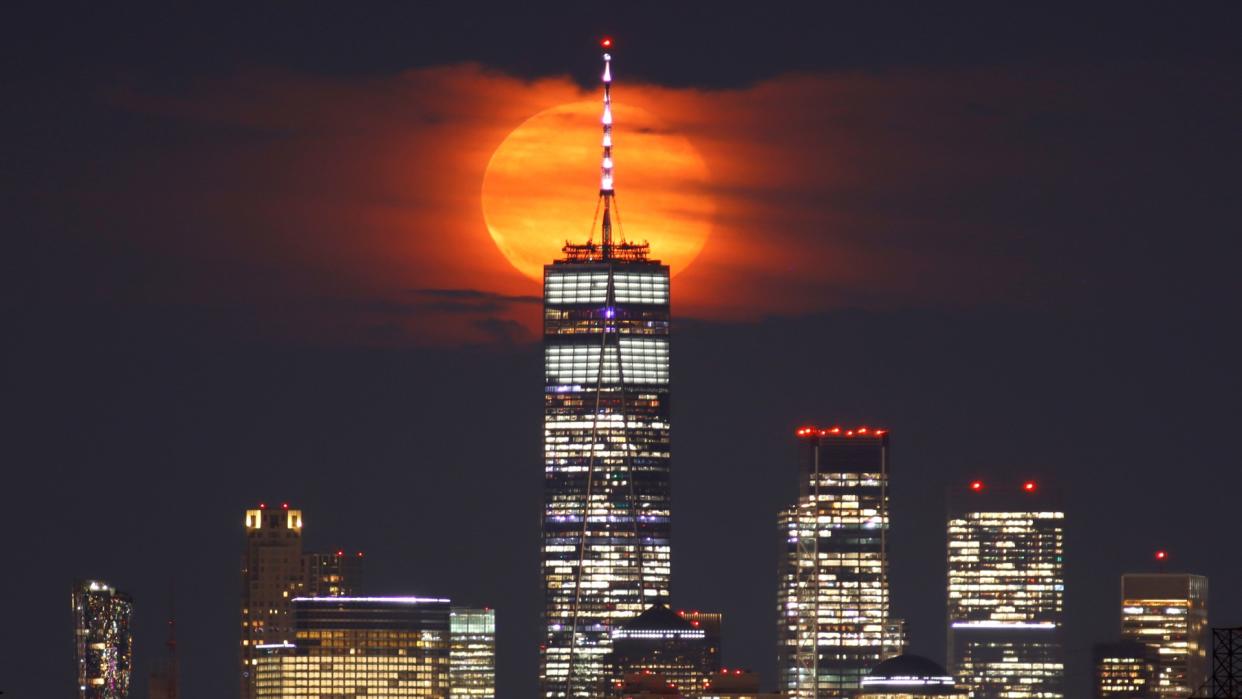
606	192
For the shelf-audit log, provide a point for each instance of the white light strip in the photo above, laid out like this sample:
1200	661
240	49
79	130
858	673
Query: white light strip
1004	625
393	600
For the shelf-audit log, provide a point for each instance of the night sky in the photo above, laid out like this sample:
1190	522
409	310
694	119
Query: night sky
244	261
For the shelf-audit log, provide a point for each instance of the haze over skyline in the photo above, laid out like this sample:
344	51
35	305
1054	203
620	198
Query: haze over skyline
248	262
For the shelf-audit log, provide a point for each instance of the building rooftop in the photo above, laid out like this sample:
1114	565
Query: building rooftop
910	673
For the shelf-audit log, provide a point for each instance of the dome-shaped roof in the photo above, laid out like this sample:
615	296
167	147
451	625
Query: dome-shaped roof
908	666
913	674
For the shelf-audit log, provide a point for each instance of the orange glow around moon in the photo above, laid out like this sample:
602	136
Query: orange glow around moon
542	185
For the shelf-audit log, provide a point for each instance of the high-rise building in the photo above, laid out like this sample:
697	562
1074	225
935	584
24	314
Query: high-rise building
1006	589
661	642
712	624
1168	613
909	677
605	539
473	653
271	576
103	640
333	574
1124	670
834	594
359	646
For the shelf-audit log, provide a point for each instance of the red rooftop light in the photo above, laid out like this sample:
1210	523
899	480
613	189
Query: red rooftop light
1161	555
263	506
606	42
340	553
976	486
1029	486
284	505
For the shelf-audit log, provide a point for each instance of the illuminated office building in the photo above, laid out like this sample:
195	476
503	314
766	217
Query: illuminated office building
712	624
833	600
333	574
394	647
605	538
271	576
103	640
1125	670
1168	613
473	653
909	677
1006	588
663	643
735	684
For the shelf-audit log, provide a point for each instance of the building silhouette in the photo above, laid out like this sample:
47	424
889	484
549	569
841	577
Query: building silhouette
359	646
1124	670
909	677
103	640
663	643
1006	589
1168	613
605	530
473	653
834	611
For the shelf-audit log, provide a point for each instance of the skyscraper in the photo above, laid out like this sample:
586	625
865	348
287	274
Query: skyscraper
103	640
1006	588
834	594
1168	613
333	573
712	624
1125	670
271	576
473	653
605	539
359	646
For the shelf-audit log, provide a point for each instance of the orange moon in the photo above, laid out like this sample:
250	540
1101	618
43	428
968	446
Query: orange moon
542	184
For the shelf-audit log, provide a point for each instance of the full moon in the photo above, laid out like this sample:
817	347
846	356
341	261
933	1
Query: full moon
542	184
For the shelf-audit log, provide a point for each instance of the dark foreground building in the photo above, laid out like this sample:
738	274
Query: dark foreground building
1006	590
605	547
661	642
909	677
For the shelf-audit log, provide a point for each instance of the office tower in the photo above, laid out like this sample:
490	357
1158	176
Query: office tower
359	646
472	656
1125	670
734	684
605	539
1006	588
103	640
663	643
1168	613
909	677
271	575
712	624
834	596
333	574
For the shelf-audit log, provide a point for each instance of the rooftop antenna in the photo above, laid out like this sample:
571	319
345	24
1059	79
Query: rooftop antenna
606	191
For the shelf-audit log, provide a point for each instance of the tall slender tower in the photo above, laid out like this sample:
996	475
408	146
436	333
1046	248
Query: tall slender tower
103	640
605	546
1006	590
834	623
272	575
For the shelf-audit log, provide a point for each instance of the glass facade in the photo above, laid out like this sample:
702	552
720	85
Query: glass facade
1006	588
103	640
664	644
833	602
606	526
473	653
333	574
1125	670
1167	612
359	646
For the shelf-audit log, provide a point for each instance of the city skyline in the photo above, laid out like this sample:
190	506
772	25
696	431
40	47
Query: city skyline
254	269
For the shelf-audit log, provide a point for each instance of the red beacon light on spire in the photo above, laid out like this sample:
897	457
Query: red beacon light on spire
1030	486
606	42
976	486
